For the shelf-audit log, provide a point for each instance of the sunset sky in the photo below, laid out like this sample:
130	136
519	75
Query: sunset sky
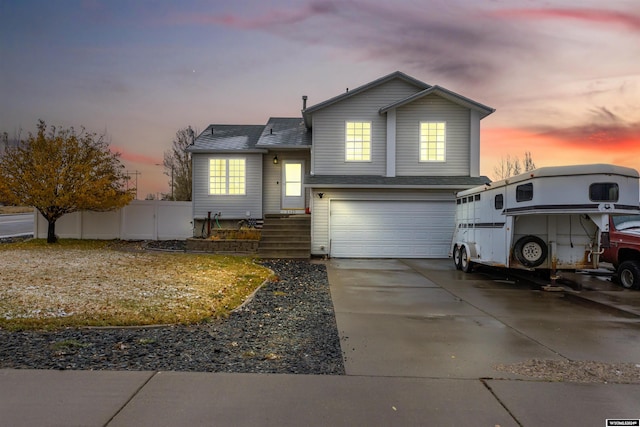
563	76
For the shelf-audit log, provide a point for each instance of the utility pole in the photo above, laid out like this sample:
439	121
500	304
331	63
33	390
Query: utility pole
135	173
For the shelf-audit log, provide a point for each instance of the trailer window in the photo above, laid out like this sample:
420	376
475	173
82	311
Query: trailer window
604	192
498	201
459	202
464	200
524	192
476	197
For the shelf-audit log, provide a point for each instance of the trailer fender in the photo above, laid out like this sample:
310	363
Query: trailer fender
470	247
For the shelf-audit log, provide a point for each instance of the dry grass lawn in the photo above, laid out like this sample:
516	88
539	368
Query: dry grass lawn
94	283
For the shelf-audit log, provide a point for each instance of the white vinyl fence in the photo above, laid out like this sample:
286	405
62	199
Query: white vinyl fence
139	220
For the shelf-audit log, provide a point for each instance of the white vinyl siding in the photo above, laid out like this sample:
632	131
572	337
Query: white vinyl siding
329	130
231	206
272	184
457	148
433	141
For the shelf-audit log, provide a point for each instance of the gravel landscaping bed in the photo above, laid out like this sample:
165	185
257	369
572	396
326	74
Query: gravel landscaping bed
577	371
288	327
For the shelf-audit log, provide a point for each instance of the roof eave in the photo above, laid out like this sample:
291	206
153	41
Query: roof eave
286	147
394	186
445	93
218	151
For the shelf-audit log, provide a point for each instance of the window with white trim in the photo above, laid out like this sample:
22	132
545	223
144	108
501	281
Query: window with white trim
358	142
227	176
433	140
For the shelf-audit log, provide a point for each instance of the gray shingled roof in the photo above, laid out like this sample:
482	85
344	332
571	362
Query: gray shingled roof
279	132
374	181
228	138
283	132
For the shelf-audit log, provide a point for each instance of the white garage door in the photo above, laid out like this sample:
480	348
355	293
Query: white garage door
391	229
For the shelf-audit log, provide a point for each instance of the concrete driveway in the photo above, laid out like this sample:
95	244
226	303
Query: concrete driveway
424	319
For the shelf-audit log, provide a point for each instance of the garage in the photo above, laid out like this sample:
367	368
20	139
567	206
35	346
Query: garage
391	228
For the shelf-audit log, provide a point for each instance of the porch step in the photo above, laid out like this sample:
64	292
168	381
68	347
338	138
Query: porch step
285	236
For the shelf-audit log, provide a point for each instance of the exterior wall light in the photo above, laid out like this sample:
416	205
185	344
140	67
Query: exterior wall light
275	159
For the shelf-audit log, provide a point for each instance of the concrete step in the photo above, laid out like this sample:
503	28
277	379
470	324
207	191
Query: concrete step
286	237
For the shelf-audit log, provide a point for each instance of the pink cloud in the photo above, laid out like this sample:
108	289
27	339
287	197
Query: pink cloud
266	21
135	157
616	144
601	16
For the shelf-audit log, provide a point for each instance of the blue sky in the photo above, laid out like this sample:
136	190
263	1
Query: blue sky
564	76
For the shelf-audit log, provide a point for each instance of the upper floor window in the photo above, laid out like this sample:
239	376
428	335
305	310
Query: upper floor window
604	192
433	141
358	142
227	176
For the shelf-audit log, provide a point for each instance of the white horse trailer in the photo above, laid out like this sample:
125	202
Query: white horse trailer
547	219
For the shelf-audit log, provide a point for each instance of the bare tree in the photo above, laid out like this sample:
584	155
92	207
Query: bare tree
6	142
177	165
528	162
508	166
511	166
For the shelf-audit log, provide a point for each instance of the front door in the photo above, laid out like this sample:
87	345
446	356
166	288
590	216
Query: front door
292	189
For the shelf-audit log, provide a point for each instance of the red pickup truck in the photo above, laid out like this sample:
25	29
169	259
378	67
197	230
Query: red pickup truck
622	249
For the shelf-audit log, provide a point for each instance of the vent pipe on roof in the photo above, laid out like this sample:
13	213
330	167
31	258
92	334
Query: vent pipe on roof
304	102
347	90
211	130
271	131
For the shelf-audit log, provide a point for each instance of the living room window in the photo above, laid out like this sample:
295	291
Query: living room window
227	176
433	136
358	142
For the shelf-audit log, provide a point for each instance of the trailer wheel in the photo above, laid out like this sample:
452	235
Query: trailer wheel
465	264
629	274
457	257
531	251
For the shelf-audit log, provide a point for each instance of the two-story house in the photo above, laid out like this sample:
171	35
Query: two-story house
376	167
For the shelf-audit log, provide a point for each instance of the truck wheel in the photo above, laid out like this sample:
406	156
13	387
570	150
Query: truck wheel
465	264
629	274
457	257
530	251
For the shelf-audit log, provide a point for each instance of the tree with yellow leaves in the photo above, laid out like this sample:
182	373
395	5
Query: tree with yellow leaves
63	171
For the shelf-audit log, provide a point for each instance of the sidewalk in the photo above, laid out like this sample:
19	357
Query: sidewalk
415	354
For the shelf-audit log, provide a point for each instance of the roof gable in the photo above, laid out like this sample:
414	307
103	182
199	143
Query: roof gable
446	94
306	113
